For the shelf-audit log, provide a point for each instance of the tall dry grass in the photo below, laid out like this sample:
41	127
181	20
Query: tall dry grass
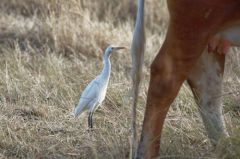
51	49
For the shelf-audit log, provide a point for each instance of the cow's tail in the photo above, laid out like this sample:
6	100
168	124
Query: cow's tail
137	52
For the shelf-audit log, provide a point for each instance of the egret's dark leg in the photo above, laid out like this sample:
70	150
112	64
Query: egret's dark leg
90	121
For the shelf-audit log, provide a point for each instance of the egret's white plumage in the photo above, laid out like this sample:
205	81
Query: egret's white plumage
95	92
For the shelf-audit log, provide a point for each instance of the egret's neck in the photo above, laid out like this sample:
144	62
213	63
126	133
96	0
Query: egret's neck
107	67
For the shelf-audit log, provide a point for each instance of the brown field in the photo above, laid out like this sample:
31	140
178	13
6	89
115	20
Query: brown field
51	49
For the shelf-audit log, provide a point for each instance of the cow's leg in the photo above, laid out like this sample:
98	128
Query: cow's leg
205	81
168	71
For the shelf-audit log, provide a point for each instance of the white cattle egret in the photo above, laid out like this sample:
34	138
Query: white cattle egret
95	92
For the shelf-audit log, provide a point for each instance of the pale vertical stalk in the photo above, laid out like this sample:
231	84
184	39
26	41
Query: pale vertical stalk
137	52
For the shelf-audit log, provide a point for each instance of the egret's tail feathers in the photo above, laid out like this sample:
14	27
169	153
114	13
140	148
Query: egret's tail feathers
78	110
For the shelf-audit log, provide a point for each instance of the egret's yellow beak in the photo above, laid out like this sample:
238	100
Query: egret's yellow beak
119	48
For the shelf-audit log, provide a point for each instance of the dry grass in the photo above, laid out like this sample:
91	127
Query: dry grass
45	53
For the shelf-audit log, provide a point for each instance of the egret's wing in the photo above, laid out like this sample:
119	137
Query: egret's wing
91	91
88	95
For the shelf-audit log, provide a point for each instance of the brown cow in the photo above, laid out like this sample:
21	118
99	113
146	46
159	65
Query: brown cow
195	27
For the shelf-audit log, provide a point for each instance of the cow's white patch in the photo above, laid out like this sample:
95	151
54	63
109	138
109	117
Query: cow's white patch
208	78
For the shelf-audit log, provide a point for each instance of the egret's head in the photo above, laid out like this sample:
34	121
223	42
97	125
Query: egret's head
110	49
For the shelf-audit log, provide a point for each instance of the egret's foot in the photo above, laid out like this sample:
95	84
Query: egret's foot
90	126
89	130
